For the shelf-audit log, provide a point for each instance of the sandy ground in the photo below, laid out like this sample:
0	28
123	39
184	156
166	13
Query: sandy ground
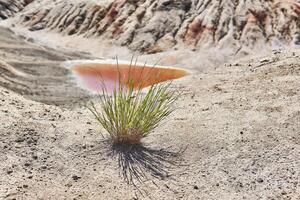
235	134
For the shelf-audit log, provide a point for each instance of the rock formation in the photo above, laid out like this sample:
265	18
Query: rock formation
152	26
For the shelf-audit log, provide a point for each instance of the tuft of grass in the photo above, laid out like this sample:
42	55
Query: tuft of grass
129	114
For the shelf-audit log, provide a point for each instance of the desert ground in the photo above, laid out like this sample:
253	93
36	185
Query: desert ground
235	133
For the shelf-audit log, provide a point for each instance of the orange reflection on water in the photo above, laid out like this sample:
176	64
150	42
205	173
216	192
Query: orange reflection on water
94	76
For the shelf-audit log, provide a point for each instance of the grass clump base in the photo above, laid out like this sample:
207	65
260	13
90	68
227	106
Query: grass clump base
129	115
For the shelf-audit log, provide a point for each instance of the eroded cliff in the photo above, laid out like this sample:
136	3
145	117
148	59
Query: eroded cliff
152	26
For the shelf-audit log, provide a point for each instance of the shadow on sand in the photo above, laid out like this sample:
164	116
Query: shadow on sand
140	163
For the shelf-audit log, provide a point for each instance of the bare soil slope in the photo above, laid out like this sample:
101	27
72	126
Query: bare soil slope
35	70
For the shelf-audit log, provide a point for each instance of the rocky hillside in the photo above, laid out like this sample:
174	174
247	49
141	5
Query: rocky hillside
152	26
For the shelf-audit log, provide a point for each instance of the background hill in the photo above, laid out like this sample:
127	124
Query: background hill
228	28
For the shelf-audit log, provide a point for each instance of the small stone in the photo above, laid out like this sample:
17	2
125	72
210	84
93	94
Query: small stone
68	185
19	140
75	177
260	180
9	172
196	187
27	164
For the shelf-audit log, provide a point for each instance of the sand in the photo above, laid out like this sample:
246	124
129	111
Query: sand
235	133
